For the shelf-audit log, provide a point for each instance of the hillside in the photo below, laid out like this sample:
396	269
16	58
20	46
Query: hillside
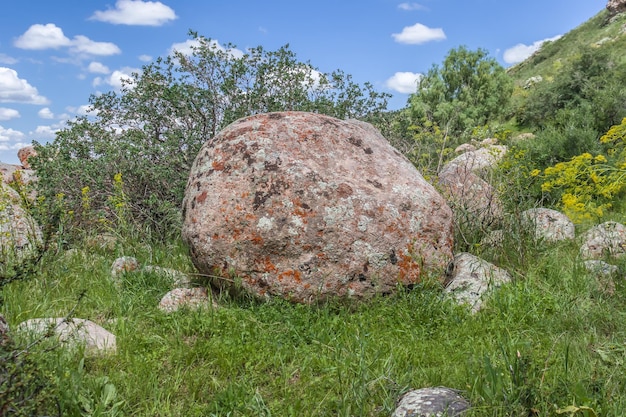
601	32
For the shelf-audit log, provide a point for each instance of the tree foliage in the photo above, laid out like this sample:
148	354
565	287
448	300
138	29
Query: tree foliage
468	90
151	130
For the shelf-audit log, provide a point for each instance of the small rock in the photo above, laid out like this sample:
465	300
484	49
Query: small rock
469	278
431	402
73	332
606	239
193	298
550	225
464	147
603	273
123	265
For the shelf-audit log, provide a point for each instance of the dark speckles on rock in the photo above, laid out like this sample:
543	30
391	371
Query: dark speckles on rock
344	190
375	183
393	258
368	151
356	141
275	116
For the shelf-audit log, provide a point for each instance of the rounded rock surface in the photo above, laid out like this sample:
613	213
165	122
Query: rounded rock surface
73	332
606	239
469	278
306	207
124	264
431	402
192	298
550	225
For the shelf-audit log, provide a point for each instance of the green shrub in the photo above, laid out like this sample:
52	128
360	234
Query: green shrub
151	131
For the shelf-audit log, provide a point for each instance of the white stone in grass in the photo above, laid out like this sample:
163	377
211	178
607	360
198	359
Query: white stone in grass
549	225
192	298
431	402
124	264
73	332
606	239
469	278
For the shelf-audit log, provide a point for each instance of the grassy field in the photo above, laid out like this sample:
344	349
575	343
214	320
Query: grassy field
553	338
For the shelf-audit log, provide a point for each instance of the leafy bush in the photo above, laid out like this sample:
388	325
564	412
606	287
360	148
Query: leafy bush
151	131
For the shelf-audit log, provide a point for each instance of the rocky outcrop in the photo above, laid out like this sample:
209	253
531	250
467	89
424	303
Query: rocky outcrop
20	235
306	207
432	402
616	6
24	154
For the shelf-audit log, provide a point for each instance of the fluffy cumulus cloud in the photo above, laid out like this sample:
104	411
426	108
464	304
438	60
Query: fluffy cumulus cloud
8	114
98	68
404	82
38	36
84	45
145	58
50	36
45	113
47	132
117	78
10	135
13	89
520	52
136	12
409	7
419	34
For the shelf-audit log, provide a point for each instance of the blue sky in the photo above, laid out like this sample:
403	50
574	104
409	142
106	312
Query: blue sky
55	54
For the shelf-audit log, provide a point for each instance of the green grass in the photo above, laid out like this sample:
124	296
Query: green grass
548	340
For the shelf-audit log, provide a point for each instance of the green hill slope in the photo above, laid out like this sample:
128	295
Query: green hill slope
601	32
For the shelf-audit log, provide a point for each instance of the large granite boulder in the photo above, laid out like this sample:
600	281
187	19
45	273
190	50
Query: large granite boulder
306	207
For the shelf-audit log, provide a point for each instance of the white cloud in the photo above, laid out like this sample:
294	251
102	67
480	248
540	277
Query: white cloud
116	78
404	82
7	135
98	68
13	89
5	59
45	113
145	58
411	6
11	147
50	36
520	52
8	114
84	45
46	132
136	12
42	37
186	48
418	34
